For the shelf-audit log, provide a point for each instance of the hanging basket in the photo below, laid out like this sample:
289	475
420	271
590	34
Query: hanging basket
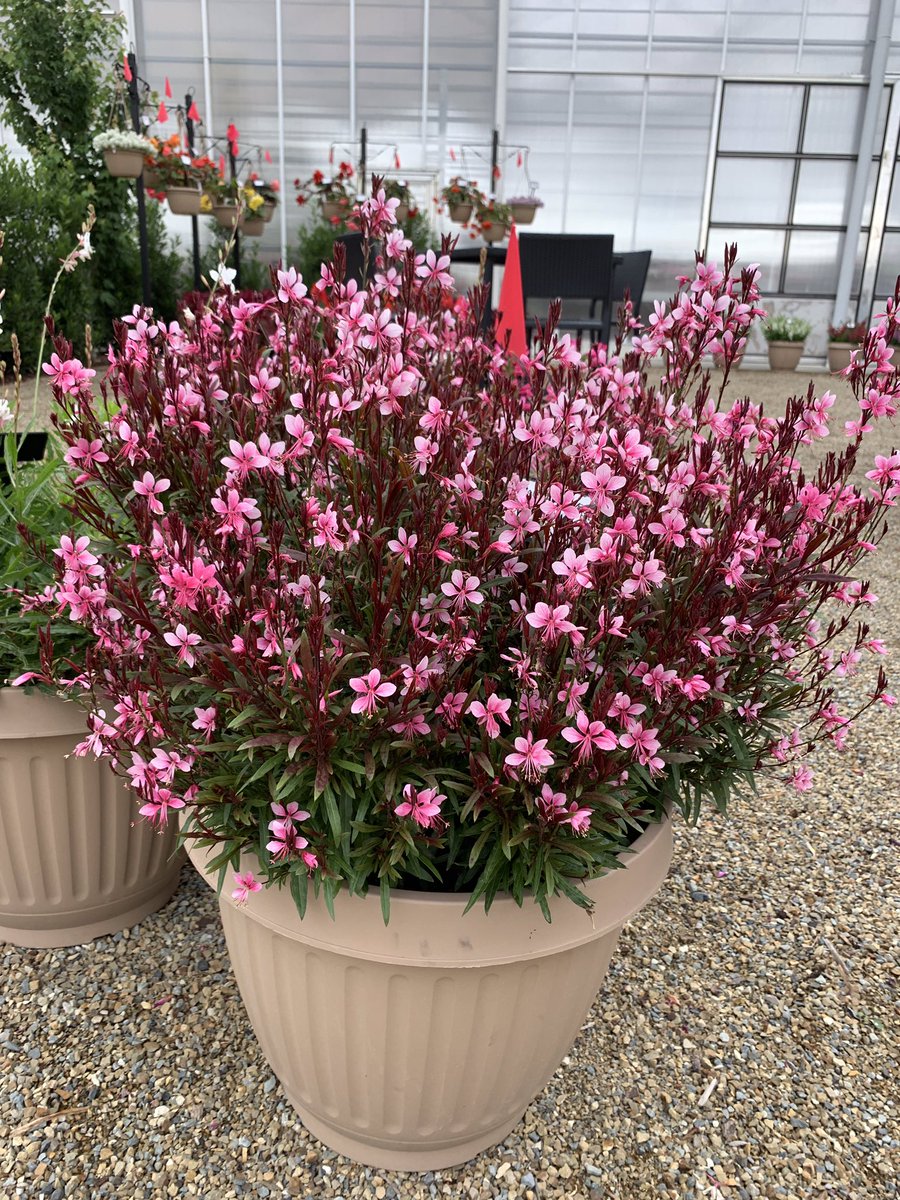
495	232
268	210
225	214
252	224
184	201
124	164
460	213
401	213
332	209
524	214
152	179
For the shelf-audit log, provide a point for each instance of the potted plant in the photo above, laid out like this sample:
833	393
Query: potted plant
398	189
462	197
424	671
524	208
183	179
252	204
786	337
842	340
269	193
123	152
335	195
493	220
75	860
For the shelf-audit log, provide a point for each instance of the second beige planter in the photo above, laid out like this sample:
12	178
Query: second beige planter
784	356
416	1045
839	355
76	858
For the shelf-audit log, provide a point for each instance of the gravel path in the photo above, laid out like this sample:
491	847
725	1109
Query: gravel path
746	1043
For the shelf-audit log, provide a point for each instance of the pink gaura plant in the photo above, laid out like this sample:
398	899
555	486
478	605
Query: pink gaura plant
388	607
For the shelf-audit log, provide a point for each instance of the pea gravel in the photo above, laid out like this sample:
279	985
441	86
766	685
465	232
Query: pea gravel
746	1042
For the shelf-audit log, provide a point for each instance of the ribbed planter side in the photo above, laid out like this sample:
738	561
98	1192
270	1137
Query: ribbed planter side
839	356
418	1045
76	859
785	356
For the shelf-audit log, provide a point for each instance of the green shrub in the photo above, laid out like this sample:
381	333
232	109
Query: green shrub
781	328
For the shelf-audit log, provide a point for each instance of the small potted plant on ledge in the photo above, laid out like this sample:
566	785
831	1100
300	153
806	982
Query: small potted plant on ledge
493	220
524	208
786	337
418	671
123	152
842	340
335	196
461	198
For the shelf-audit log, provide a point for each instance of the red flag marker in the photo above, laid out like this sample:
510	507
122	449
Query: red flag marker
168	89
331	155
126	68
162	114
519	159
453	154
222	165
193	114
511	318
396	161
268	157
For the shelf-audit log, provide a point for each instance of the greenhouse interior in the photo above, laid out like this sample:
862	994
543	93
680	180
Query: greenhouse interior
329	333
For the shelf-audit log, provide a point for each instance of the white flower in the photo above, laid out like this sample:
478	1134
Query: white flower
5	412
85	250
224	276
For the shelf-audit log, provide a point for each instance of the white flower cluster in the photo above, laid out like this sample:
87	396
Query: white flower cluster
120	139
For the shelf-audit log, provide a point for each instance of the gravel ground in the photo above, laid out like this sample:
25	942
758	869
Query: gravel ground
746	1043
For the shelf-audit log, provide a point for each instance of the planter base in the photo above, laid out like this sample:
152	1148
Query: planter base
109	918
391	1158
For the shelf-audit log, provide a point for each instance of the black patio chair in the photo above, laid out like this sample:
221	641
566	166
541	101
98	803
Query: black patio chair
630	274
353	249
569	266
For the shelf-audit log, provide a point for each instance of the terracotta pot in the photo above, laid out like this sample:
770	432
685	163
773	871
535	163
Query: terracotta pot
784	356
252	224
523	214
839	355
416	1045
495	232
124	164
461	212
268	210
333	208
225	214
184	201
76	859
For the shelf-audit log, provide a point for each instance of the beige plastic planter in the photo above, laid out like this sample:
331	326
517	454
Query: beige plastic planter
784	356
124	164
252	225
417	1045
333	208
184	201
76	859
495	232
524	214
460	213
839	356
267	212
225	214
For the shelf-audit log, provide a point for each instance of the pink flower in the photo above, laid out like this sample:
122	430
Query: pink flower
151	487
462	590
370	690
205	720
423	806
404	544
184	641
643	744
802	779
156	809
291	287
532	756
589	736
246	884
552	623
491	713
646	574
244	459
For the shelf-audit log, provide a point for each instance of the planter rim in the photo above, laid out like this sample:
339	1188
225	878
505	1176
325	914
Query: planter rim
784	342
31	712
428	929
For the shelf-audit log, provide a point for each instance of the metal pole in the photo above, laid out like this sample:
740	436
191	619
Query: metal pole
865	150
426	39
362	160
232	161
495	157
207	79
279	68
134	98
501	66
195	231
